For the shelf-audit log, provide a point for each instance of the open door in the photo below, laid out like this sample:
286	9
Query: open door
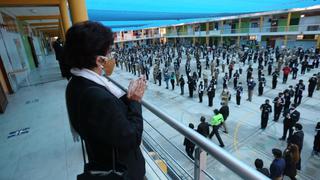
3	97
33	51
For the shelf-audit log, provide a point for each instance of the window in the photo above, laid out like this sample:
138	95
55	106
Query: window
254	25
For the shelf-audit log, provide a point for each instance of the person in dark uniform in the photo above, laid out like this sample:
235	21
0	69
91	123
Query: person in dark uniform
295	71
200	91
275	75
290	121
189	144
297	139
203	127
181	81
316	141
312	85
300	87
211	92
262	84
251	85
278	105
191	85
225	80
172	77
270	67
224	110
239	91
265	109
236	77
287	99
159	77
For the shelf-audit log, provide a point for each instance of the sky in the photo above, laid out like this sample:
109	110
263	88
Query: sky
126	14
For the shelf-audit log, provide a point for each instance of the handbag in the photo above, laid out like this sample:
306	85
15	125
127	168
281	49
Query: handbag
93	172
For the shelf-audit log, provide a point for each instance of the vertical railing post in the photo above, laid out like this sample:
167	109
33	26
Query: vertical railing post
200	164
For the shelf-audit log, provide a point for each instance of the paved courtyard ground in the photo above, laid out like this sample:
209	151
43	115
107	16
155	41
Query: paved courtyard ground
48	152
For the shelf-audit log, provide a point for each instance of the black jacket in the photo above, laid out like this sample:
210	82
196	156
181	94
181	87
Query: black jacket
224	110
106	122
203	128
297	138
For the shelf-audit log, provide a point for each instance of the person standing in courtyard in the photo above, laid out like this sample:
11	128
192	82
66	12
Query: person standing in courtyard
251	85
200	91
265	109
182	82
239	91
290	121
300	87
312	85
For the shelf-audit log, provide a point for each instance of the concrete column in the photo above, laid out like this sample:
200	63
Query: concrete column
64	13
221	32
261	23
318	41
78	10
194	38
285	42
207	33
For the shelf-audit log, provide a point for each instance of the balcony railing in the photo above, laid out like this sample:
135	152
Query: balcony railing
203	145
228	31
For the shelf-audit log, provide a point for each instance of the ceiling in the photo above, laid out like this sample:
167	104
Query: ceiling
33	11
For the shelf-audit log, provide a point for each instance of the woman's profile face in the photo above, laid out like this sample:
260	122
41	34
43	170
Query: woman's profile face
108	63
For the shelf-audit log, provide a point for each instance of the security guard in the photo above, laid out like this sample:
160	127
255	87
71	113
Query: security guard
216	122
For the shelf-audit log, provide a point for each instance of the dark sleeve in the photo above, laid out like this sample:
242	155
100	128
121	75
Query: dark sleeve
273	170
113	122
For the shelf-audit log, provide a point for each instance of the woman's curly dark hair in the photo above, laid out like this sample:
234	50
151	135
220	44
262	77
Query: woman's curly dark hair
84	42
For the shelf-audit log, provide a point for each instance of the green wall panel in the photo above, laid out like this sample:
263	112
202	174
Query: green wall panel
245	26
26	46
282	23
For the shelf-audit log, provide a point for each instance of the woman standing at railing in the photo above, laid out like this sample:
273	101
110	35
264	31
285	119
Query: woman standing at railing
109	121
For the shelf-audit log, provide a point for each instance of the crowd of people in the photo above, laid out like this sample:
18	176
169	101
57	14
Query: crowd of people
232	67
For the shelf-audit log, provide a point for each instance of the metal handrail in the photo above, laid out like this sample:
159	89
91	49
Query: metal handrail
224	157
170	156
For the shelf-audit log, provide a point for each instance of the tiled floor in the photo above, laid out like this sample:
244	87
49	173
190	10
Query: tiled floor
48	152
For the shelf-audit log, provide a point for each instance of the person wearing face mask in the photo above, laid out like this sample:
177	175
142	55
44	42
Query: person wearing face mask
300	87
278	106
289	122
108	120
251	85
265	109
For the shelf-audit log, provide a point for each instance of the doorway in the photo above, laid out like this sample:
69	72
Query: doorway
33	51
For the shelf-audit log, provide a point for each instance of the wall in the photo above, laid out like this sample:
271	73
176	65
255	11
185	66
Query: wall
13	54
27	47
